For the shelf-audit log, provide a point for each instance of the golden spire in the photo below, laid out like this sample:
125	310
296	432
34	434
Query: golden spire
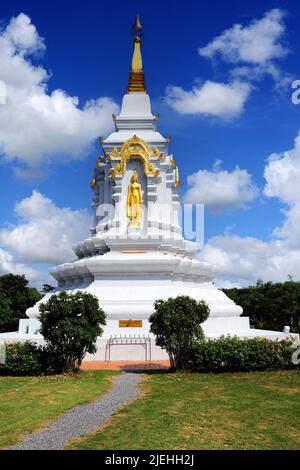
136	78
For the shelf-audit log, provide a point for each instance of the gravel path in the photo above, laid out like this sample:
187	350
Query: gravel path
84	419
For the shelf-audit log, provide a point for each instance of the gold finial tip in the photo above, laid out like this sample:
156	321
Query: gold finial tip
137	26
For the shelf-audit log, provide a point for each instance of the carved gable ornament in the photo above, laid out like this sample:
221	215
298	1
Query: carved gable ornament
135	148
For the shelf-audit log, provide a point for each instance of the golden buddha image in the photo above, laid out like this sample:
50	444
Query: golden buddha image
134	201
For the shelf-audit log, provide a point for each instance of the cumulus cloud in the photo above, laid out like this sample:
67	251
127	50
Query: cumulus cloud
220	190
290	229
9	265
252	52
227	284
253	49
37	127
247	259
282	80
257	43
224	100
282	174
45	232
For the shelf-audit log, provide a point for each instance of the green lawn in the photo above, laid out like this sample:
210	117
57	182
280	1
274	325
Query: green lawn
207	411
27	403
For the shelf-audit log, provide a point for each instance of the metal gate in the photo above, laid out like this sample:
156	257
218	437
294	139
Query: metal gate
130	340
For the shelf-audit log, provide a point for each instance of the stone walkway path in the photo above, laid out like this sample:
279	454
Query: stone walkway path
84	419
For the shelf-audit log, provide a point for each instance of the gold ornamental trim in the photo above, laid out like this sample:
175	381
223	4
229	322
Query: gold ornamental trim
156	153
93	182
100	161
114	153
177	179
134	147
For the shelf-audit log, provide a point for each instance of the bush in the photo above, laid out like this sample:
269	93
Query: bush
29	359
176	324
70	325
234	354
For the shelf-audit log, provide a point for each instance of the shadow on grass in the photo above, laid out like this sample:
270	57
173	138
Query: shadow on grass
146	368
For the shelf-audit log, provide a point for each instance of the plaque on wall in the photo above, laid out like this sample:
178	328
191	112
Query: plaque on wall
130	323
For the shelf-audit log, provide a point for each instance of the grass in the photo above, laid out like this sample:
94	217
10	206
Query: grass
28	403
258	410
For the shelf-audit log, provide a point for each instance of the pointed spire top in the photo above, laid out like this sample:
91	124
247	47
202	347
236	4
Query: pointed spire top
136	78
137	27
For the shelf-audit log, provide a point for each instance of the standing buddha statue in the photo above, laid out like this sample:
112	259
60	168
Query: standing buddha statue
134	201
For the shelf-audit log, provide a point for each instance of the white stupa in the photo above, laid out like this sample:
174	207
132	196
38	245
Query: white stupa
136	253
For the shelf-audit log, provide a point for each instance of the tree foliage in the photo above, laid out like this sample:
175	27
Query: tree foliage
270	306
15	298
176	323
47	288
70	324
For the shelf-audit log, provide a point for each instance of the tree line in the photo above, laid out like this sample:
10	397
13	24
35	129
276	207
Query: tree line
270	306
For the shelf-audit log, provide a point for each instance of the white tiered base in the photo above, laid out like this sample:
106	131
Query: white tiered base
127	285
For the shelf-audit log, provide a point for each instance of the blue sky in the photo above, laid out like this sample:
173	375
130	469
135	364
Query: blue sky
86	51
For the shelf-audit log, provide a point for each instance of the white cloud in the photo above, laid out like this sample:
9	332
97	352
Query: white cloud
254	49
213	99
23	35
9	265
282	174
227	284
282	80
220	190
37	128
290	229
257	43
45	232
247	259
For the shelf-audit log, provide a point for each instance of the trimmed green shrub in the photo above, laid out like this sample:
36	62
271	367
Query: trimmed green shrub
176	323
234	354
25	358
70	325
